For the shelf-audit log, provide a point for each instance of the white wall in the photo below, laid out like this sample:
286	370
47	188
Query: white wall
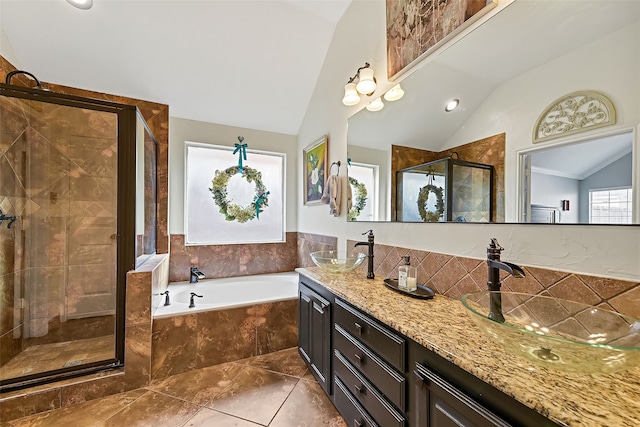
181	130
550	190
599	250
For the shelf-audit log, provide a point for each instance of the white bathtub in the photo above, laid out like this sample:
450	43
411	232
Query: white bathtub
232	292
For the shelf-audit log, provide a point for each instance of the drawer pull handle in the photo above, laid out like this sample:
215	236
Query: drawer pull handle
359	358
357	423
358	327
360	390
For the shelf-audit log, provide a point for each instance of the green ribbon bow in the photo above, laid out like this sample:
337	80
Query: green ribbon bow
242	150
261	198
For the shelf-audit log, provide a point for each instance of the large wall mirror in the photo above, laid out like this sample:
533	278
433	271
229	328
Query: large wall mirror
505	73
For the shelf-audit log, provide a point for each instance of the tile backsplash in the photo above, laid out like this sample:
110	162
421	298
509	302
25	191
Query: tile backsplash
455	276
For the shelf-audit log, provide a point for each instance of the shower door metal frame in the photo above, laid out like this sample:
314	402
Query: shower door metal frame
125	224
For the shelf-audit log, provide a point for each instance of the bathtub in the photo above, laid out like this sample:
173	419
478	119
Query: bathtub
227	293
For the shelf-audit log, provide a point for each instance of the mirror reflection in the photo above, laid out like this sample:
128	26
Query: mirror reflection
506	73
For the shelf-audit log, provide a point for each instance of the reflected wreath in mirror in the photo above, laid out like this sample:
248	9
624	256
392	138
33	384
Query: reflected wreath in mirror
423	198
360	191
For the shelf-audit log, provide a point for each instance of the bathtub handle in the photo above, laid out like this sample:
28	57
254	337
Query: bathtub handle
192	303
167	301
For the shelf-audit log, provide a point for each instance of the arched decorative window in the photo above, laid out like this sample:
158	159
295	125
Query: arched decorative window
573	113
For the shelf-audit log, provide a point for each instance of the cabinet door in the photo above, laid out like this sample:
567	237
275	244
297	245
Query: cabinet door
440	404
314	336
304	323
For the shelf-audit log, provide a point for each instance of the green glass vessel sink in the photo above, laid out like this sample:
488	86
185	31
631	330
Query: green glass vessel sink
337	261
559	334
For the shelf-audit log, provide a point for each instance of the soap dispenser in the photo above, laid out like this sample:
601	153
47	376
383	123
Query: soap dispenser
407	276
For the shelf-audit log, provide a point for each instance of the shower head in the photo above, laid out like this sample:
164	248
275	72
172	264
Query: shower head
13	73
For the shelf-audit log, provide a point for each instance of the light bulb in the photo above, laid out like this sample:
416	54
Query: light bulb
375	105
451	105
394	93
81	4
351	96
366	84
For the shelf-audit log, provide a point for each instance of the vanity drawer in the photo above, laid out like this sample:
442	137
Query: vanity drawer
383	376
374	403
349	408
380	339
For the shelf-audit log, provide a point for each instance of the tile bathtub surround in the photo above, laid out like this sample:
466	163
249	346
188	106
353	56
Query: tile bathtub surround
270	390
245	259
194	341
454	276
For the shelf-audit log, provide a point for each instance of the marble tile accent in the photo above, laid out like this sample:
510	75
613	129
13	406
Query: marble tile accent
322	413
199	386
454	276
255	395
231	260
86	414
174	345
30	404
443	326
184	343
276	326
242	392
286	361
307	243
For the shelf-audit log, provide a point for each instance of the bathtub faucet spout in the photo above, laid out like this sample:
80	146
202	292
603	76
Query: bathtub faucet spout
196	274
192	303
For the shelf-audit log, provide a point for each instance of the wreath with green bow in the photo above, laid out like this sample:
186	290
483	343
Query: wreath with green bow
233	211
361	199
423	196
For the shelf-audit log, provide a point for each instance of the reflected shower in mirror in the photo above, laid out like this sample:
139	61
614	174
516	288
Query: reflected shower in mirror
504	83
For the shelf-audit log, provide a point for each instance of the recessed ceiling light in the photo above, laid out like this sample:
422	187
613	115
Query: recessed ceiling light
451	105
81	4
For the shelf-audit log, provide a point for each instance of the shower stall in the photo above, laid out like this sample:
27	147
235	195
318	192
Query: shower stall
78	201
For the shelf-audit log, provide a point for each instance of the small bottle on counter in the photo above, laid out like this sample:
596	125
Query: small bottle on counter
407	276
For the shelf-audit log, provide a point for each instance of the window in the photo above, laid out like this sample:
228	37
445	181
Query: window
363	179
610	206
223	210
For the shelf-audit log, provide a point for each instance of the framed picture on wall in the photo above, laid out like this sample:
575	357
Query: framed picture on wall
314	157
415	29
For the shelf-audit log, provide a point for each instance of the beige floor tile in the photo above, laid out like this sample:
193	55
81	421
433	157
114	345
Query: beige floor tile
284	361
92	413
154	410
309	399
255	394
210	418
199	386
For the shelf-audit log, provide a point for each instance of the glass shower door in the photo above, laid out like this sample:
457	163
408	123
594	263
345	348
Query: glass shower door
59	258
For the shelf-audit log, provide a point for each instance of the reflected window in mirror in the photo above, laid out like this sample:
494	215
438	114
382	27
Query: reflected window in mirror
583	174
363	183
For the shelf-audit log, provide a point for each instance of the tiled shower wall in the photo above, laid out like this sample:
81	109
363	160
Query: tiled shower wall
246	259
60	181
455	276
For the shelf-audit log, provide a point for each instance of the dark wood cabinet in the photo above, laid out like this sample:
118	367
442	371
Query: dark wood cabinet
377	376
440	404
314	335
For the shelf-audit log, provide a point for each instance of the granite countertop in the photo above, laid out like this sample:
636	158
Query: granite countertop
443	326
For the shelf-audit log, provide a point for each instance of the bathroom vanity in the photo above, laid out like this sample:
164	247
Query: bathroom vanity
389	360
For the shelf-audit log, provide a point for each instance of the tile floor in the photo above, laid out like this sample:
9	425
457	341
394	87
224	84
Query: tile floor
274	390
47	357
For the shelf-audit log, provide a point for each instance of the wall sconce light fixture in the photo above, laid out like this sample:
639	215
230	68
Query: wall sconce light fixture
394	93
366	85
375	105
81	4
